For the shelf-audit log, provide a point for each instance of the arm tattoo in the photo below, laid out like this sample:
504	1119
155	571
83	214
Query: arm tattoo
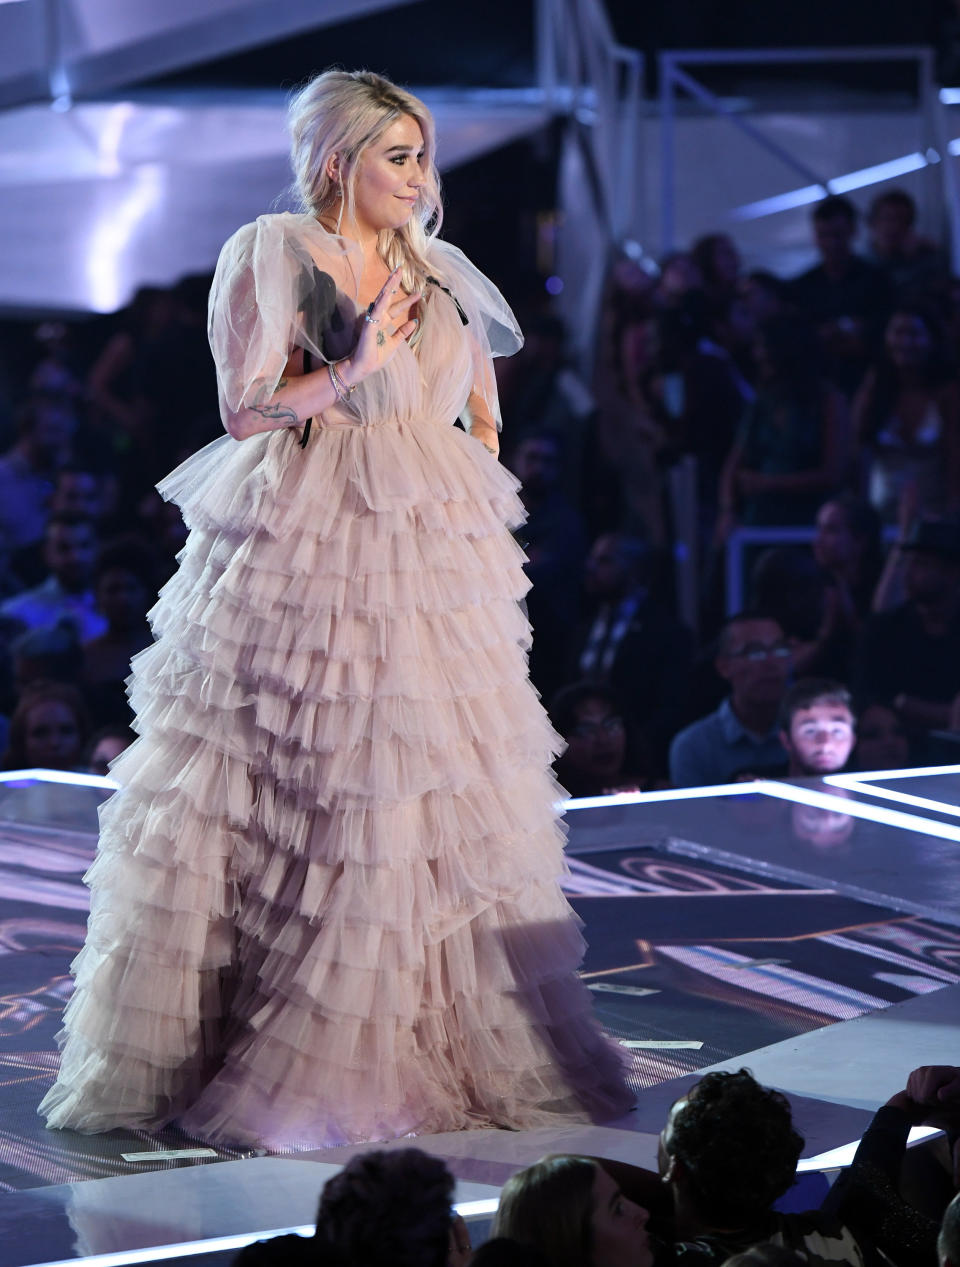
276	412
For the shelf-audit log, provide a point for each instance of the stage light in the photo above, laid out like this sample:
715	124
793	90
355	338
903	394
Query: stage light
645	798
861	783
843	184
857	809
67	777
220	1244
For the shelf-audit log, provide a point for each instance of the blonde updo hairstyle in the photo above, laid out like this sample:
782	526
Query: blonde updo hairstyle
340	113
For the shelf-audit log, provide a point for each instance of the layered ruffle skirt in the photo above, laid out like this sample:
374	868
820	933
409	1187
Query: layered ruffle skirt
325	905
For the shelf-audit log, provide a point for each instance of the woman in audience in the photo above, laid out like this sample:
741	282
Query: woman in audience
48	729
574	1214
601	755
847	554
790	451
907	416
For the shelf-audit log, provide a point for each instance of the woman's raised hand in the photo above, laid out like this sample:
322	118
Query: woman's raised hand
386	324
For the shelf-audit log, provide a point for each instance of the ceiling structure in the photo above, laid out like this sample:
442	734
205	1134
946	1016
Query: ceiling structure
127	156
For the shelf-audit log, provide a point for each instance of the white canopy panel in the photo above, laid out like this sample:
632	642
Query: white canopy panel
108	196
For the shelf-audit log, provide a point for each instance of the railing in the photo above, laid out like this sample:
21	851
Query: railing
742	538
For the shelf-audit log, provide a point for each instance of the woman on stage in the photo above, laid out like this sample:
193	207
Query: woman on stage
325	904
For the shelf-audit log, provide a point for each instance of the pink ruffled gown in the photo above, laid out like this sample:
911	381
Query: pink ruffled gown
325	904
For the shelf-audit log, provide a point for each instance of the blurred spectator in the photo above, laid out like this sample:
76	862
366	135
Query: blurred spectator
869	1194
554	541
48	729
786	582
144	413
290	1250
728	1152
70	549
844	297
161	523
764	295
55	374
601	752
77	491
817	727
574	1214
907	418
679	275
627	435
51	652
632	642
912	264
742	735
501	1251
882	742
791	448
948	1242
45	429
104	746
717	260
387	1209
125	590
542	391
910	656
848	546
822	611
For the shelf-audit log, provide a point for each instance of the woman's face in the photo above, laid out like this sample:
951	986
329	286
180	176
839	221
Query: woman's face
52	736
908	340
619	1227
389	177
834	546
597	741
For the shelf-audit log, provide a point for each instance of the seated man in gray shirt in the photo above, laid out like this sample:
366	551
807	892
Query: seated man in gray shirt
742	736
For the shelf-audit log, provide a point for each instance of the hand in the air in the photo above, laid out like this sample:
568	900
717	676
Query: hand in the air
385	325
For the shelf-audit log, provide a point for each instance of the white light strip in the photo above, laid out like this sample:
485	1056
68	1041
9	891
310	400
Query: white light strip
58	776
835	1158
157	1253
648	798
912	772
950	96
904	798
780	202
857	809
879	171
183	1249
843	184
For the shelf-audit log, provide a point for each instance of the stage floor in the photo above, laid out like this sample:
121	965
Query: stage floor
808	930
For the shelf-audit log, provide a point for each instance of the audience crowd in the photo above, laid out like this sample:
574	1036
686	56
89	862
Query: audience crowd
721	399
725	1194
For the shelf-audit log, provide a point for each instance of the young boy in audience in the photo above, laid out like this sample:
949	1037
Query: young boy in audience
817	727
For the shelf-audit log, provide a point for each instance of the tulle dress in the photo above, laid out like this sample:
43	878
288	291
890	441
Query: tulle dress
325	905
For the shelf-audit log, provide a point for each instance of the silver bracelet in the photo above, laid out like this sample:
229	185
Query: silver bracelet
344	390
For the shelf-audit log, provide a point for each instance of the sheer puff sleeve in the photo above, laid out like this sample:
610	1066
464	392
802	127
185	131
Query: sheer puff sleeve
267	298
491	327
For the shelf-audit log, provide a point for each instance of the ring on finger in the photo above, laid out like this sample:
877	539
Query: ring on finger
374	321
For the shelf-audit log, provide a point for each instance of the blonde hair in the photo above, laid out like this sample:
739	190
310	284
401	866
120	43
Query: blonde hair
550	1206
340	113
